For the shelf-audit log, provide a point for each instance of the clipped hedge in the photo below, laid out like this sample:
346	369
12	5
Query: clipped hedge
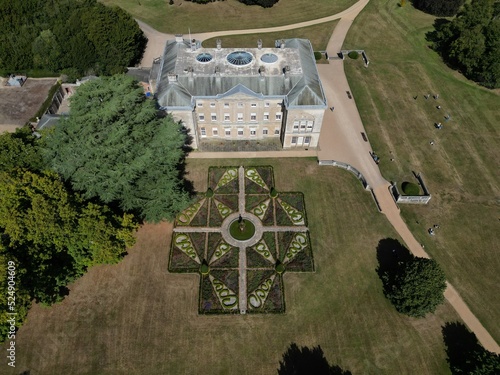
353	55
48	101
410	188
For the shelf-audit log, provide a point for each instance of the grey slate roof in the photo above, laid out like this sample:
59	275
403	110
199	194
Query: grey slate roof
219	78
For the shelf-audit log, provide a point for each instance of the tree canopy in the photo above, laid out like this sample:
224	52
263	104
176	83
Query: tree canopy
115	146
415	286
465	355
470	42
441	8
78	37
306	361
47	232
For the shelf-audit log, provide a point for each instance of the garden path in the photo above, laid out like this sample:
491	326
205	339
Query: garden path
242	265
340	138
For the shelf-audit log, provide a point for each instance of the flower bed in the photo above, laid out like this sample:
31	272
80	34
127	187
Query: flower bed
198	245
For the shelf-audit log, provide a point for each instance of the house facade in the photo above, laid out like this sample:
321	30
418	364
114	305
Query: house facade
242	94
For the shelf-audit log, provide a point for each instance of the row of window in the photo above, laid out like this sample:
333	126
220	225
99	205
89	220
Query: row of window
299	141
239	117
239	105
227	132
303	126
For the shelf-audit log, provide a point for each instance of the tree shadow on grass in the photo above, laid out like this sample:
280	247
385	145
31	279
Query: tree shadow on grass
465	353
306	361
391	256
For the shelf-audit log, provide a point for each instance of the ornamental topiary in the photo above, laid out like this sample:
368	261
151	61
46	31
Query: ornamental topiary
280	267
353	55
204	268
273	193
318	55
209	193
410	188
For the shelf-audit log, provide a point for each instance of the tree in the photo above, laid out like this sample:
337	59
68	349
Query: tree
306	361
65	34
465	353
116	147
441	8
470	42
19	150
54	235
415	286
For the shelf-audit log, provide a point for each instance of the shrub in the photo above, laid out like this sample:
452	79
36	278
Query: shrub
262	3
204	268
209	193
318	55
353	55
280	268
410	188
273	193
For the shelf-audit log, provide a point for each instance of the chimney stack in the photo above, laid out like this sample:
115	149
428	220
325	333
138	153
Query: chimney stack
172	77
178	38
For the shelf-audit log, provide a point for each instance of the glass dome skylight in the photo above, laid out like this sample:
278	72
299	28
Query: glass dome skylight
269	58
239	58
204	57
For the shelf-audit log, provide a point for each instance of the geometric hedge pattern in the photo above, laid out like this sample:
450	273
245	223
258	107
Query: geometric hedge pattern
242	277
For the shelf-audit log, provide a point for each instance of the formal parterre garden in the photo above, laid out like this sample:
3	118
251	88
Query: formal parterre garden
242	273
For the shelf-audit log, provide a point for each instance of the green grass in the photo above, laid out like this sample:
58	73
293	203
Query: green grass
239	233
319	35
461	169
225	15
137	318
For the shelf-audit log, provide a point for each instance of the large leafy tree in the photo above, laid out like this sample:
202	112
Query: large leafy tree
442	8
415	286
55	235
81	36
305	361
470	42
116	147
465	353
49	234
19	150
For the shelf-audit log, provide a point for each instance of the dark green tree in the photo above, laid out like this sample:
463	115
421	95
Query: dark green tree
20	150
415	286
465	353
306	361
58	35
441	8
116	147
470	42
53	234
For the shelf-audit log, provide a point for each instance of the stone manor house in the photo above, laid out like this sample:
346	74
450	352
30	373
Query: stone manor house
242	94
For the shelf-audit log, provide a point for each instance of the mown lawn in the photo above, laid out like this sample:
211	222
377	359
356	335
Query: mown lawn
136	318
225	15
461	169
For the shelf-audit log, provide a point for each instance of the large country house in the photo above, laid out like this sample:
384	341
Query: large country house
242	93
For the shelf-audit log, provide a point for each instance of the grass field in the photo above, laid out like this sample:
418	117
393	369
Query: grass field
461	169
136	318
225	15
319	35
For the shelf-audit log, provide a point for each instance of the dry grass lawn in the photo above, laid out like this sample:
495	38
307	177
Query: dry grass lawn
136	318
225	15
319	35
461	169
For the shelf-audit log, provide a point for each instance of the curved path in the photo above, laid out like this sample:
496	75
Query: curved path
340	138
